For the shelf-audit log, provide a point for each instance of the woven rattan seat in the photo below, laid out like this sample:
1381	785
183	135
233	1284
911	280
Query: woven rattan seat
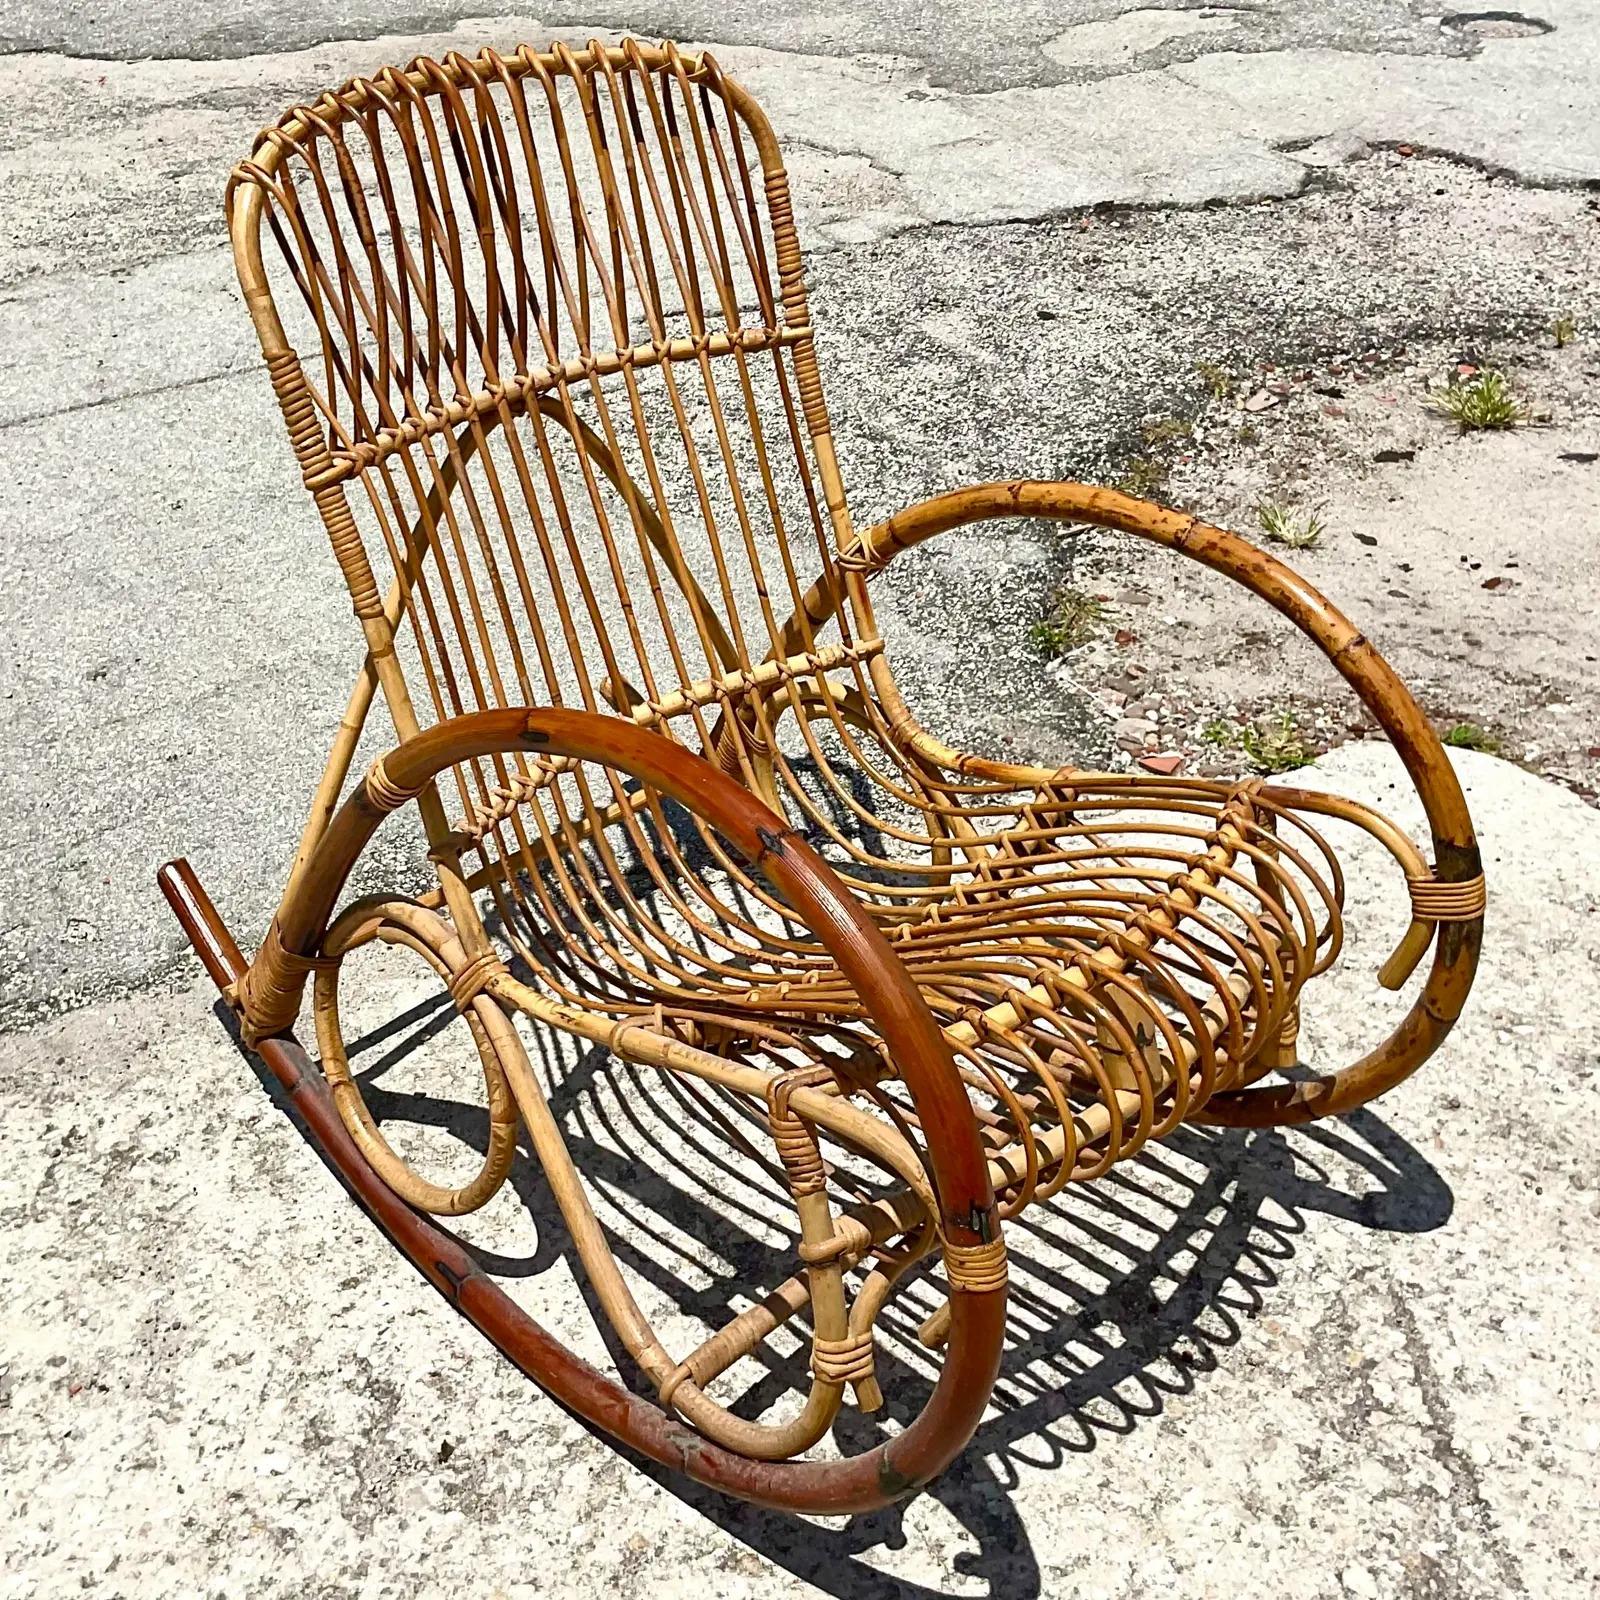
539	330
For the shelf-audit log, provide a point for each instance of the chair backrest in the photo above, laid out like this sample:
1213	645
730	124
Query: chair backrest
538	327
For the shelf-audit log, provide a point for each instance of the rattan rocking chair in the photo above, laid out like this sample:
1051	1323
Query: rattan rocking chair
538	327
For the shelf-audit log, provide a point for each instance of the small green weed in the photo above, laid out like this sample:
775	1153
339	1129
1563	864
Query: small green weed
1563	330
1271	744
1142	477
1072	620
1281	523
1166	430
1485	401
1219	382
1276	744
1469	736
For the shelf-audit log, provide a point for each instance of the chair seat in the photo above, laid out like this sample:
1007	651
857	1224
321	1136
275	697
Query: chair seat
1105	960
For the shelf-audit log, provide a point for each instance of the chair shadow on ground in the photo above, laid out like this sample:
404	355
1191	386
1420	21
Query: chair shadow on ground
1124	1292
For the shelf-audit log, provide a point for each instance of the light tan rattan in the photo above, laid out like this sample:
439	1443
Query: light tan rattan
539	330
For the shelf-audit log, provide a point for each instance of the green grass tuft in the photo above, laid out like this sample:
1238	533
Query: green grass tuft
1142	477
1469	736
1281	523
1563	330
1166	430
1485	401
1072	619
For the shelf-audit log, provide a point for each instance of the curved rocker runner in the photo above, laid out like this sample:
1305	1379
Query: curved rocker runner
538	327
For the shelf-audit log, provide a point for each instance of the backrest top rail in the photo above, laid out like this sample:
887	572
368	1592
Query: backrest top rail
425	75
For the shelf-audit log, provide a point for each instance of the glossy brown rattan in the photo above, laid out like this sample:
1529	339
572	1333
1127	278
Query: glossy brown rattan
539	330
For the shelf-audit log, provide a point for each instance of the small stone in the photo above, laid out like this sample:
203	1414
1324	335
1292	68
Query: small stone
1358	1581
1165	764
1261	400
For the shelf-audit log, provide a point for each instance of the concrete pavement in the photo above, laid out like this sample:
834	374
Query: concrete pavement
1356	1359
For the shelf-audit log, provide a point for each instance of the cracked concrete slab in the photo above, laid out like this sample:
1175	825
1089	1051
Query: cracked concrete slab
967	45
1369	1369
1358	1356
1213	129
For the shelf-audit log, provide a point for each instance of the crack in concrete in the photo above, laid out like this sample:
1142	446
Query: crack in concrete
1440	1434
121	395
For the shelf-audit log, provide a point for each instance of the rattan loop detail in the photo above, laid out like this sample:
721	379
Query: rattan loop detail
976	1268
795	1139
384	794
671	1383
1433	900
847	1360
270	992
468	982
311	450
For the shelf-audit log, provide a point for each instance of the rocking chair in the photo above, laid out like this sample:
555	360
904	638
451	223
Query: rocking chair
538	327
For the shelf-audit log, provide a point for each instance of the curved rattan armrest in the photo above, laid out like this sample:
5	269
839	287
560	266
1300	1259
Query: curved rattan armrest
1452	889
968	1221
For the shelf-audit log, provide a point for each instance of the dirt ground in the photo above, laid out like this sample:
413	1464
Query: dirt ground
1471	559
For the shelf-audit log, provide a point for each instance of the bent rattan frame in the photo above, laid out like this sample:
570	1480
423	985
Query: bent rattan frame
538	327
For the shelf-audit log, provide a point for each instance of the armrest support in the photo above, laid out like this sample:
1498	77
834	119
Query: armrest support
967	1218
1455	881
